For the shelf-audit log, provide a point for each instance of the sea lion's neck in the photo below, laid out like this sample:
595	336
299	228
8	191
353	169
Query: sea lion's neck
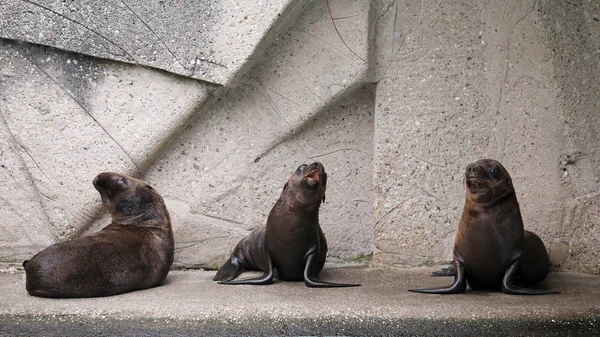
308	210
150	218
498	201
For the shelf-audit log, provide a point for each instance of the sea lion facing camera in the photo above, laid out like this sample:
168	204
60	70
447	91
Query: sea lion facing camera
492	251
134	252
292	243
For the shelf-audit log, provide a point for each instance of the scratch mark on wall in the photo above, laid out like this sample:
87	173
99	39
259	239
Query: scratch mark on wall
308	87
340	150
325	42
217	217
265	94
154	33
86	111
131	58
504	82
32	159
339	34
428	162
286	98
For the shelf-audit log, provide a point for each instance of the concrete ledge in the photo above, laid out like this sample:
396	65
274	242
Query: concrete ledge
191	304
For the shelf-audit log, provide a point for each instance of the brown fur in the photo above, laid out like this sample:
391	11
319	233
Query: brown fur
292	243
135	251
492	250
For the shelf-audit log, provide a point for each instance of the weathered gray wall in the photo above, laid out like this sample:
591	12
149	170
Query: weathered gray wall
513	80
395	111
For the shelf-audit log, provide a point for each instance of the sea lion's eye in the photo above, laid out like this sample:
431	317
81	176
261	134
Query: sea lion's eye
301	168
122	183
495	172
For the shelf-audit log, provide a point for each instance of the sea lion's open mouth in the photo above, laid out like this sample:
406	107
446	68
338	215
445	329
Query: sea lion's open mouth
474	182
312	178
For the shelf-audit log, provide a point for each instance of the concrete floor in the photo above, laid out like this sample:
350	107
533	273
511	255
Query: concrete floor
190	303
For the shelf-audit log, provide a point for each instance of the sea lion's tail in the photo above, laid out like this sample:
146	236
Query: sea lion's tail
228	271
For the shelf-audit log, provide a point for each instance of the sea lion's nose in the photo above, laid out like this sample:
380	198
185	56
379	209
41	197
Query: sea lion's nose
471	168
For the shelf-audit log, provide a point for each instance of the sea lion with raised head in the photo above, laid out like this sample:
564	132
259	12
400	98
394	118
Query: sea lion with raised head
134	252
292	244
492	251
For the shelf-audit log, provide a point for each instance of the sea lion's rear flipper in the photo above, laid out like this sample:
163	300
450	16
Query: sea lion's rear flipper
459	285
448	271
508	286
230	270
265	278
309	281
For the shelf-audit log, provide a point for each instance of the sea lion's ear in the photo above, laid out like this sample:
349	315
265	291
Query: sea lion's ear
145	195
509	182
285	186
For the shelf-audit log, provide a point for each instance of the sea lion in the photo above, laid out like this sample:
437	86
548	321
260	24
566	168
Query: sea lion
135	251
292	243
492	251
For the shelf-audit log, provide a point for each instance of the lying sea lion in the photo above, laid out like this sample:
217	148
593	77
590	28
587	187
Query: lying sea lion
492	251
292	243
134	252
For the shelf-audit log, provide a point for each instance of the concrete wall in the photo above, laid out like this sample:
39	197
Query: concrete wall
216	104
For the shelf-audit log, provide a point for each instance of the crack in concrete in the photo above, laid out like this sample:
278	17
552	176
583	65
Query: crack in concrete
323	41
154	33
131	58
339	34
86	111
287	98
340	150
428	162
265	94
217	217
31	157
345	17
507	47
194	243
207	61
307	86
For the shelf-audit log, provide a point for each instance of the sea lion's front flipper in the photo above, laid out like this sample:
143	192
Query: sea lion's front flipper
508	286
265	278
448	271
459	285
308	275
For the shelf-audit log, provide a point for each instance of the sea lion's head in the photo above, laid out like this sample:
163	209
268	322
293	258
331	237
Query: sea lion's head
128	198
308	183
487	181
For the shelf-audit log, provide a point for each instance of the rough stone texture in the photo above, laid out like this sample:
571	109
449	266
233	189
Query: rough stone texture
224	174
395	103
191	304
575	56
209	40
219	163
461	81
70	117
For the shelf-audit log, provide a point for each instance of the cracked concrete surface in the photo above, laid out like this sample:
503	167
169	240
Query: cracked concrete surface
210	40
216	103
